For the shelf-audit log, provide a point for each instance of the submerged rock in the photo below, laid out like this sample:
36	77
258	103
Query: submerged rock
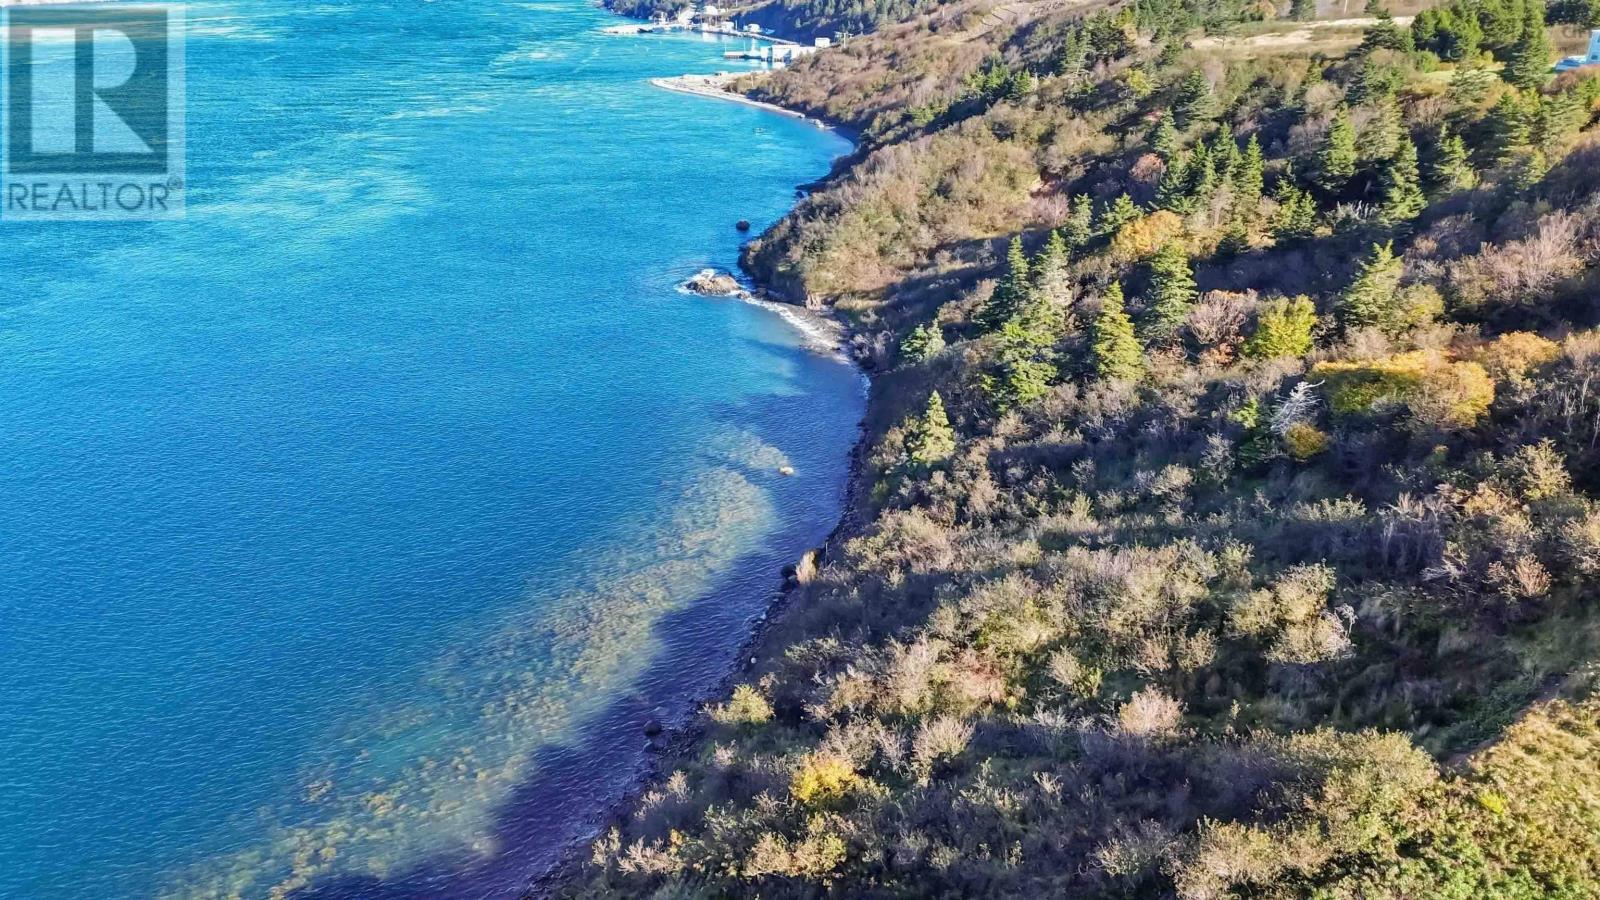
712	283
742	225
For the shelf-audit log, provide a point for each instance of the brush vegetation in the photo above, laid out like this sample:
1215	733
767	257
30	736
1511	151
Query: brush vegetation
1232	487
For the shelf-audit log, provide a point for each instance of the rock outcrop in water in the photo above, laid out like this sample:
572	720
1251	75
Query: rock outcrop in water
712	283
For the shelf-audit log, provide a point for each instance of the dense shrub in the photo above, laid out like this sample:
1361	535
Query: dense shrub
1436	391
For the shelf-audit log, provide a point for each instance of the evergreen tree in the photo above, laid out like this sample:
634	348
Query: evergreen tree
1247	178
1450	169
1024	372
1283	328
1529	61
1164	139
931	439
1052	280
1501	22
1528	170
1224	151
1296	218
1381	139
1073	61
1172	191
1021	85
1202	176
1509	129
1171	293
1303	10
1023	354
1384	34
1117	354
1009	292
1451	32
1380	79
1469	86
1336	161
1194	102
923	343
1402	188
1557	122
1121	211
1079	227
1372	300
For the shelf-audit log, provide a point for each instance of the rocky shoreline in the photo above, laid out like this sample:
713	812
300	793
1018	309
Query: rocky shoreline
665	742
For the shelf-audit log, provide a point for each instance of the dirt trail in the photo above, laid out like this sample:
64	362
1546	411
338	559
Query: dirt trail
1008	14
1302	33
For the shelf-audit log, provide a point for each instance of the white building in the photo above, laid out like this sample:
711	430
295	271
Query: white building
1592	58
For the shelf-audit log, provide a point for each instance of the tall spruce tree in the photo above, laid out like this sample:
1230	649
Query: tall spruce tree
1009	292
1296	218
1529	63
1557	122
1172	191
1051	278
1025	372
1202	172
1195	102
1509	127
1248	177
931	440
1528	170
1336	160
1121	211
1164	139
1450	169
1171	293
1373	299
923	343
1402	188
1079	227
1117	354
1224	151
1501	22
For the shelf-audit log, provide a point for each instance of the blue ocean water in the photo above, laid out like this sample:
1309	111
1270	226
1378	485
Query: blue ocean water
351	527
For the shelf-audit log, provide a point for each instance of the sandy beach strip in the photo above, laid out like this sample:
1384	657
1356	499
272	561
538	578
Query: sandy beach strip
719	87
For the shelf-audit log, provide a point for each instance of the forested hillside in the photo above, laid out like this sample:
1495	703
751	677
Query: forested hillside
1233	472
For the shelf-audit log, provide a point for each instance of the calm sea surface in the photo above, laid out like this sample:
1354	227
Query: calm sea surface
351	527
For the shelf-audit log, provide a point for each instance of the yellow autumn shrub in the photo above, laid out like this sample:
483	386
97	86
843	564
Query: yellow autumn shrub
1453	395
1145	235
1303	440
1513	354
1438	393
745	707
822	779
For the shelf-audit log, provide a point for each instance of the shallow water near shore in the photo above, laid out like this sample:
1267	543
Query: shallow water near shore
353	526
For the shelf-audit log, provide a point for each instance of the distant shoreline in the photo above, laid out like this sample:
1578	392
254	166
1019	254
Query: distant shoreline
720	87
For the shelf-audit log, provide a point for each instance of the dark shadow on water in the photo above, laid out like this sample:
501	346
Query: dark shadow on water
573	787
